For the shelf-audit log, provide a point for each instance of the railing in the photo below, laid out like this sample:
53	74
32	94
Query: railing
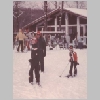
48	32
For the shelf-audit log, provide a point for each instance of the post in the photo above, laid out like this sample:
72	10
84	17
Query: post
67	29
61	12
17	24
45	12
66	23
55	4
56	24
77	4
62	5
60	23
17	14
36	28
84	30
78	28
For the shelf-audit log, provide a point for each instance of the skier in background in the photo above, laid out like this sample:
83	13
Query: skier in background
27	40
20	36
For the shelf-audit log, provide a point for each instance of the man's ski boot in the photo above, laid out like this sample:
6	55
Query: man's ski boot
32	83
69	76
75	75
38	83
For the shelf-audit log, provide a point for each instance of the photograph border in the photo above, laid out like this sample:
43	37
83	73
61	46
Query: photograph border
6	71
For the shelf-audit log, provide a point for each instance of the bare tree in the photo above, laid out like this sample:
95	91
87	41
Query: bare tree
17	12
54	4
83	4
75	4
32	7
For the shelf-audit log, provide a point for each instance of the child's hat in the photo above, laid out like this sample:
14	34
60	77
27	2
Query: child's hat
70	46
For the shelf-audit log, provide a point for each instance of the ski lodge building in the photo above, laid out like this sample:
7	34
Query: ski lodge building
73	23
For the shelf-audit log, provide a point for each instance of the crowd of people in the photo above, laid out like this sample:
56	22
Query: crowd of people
51	41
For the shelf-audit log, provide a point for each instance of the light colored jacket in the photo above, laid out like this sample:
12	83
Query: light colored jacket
21	36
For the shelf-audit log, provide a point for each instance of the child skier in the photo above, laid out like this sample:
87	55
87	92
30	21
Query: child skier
34	63
73	61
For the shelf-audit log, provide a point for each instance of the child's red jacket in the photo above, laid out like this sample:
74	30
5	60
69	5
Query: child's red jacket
73	56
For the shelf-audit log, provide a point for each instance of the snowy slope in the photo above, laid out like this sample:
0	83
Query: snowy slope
53	86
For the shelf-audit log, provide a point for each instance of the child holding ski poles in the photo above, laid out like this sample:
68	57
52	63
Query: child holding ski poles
73	61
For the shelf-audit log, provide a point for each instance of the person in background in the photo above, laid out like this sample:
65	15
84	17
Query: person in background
27	41
41	49
32	35
65	42
20	36
31	38
49	42
80	43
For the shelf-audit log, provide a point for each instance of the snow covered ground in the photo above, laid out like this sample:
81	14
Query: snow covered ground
53	86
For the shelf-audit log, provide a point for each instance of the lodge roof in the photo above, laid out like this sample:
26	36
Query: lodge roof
79	12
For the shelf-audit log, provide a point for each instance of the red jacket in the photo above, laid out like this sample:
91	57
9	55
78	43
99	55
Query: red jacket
73	56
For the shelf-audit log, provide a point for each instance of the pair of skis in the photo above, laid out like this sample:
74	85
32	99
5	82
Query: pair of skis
68	76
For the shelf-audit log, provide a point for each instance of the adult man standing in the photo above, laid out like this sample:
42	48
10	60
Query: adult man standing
41	49
64	42
20	36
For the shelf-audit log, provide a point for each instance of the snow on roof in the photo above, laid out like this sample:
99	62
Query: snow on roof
82	12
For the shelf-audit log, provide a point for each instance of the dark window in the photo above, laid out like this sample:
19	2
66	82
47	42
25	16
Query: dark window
51	22
72	19
83	21
40	29
51	29
81	31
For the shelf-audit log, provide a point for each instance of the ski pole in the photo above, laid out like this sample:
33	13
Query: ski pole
63	70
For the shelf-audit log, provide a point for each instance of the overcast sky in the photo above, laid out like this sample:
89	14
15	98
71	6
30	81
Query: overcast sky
36	4
40	4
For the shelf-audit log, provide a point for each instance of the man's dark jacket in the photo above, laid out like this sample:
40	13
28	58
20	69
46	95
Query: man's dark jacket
41	47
